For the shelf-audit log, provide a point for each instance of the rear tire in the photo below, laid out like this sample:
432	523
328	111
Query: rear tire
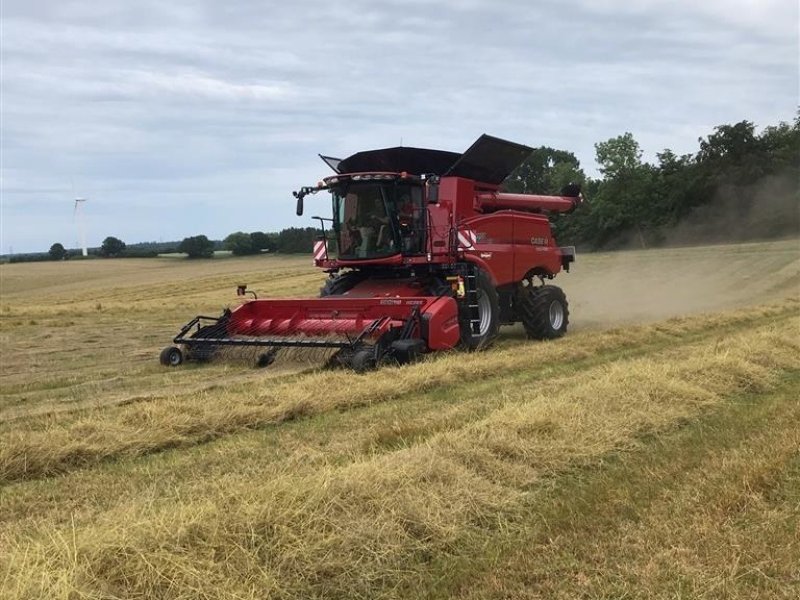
543	310
489	312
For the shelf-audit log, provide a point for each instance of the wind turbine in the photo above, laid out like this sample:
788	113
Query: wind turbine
77	216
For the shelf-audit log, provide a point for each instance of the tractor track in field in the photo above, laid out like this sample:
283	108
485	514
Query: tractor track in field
14	409
39	447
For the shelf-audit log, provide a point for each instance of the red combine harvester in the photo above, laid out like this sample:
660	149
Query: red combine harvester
424	253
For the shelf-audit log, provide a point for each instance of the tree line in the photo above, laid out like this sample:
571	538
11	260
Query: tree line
739	185
292	240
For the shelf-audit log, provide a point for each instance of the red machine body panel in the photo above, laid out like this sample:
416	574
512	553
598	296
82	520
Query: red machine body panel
509	239
458	194
510	244
440	217
534	246
387	288
441	328
374	305
494	244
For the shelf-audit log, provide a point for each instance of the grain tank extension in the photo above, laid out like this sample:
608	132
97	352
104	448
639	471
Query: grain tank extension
423	253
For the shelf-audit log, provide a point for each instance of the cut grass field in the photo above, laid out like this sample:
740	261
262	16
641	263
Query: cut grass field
637	457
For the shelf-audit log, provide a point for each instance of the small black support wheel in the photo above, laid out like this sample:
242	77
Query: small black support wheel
171	356
363	360
407	351
544	311
488	312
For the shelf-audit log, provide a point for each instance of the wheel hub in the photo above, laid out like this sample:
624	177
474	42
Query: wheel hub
485	312
556	314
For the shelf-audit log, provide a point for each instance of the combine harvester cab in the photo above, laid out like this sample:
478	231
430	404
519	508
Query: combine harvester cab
423	252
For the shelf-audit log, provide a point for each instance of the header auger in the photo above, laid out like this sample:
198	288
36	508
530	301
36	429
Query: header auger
423	252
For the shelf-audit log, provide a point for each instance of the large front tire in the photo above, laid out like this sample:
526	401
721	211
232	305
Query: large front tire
488	312
339	284
544	311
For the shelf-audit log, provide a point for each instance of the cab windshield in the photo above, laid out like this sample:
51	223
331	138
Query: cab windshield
378	219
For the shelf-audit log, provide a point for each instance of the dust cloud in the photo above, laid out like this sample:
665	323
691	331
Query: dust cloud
769	209
608	289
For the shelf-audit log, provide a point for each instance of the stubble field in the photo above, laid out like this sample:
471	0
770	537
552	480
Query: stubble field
652	452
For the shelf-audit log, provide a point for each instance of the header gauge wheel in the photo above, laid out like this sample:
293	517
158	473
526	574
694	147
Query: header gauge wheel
171	356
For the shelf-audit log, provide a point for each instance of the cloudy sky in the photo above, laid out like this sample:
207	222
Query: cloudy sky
177	118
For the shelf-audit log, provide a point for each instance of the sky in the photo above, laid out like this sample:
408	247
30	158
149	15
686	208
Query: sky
178	118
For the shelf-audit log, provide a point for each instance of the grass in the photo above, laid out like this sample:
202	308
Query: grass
707	511
52	443
647	460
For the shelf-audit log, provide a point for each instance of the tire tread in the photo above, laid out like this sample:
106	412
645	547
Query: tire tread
533	306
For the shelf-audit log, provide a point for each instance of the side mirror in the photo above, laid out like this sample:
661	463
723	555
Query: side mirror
299	204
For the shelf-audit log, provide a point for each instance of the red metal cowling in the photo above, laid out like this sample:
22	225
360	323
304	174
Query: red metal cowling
441	329
527	202
338	315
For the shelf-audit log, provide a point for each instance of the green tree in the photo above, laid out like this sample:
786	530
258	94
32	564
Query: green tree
623	201
675	188
240	244
545	171
264	241
782	142
619	155
57	252
198	246
736	153
297	239
112	247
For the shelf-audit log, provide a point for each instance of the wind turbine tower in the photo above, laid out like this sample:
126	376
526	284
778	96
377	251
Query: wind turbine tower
77	215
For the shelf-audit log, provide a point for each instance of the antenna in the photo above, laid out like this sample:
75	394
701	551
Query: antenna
77	216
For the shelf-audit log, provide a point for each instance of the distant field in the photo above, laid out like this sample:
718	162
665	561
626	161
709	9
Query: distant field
636	457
